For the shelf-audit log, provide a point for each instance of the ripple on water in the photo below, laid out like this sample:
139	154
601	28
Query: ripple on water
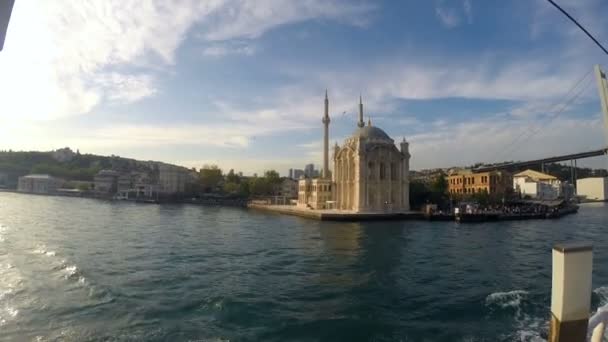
3	230
526	327
42	250
509	299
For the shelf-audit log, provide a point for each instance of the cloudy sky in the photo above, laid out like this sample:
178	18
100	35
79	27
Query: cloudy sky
241	83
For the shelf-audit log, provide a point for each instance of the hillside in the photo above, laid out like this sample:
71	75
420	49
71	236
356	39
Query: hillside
69	165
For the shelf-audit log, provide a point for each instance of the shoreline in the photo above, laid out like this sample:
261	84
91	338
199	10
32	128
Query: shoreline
328	215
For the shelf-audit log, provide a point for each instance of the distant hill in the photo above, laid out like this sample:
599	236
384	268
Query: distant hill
76	166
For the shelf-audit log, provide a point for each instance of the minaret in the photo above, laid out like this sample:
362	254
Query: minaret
360	123
326	121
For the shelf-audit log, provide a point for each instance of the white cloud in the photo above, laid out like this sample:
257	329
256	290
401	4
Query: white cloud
220	50
492	140
126	88
450	16
250	19
468	10
71	56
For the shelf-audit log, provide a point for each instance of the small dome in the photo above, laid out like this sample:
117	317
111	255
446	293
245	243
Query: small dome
371	132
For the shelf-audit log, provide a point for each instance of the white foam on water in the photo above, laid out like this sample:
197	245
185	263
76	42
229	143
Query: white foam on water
506	299
6	293
41	249
12	311
7	314
602	293
70	271
526	328
3	230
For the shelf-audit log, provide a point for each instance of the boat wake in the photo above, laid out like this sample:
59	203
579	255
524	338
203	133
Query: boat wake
517	304
511	299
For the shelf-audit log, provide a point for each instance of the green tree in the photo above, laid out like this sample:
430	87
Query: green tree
231	187
244	188
439	185
419	194
259	186
272	177
210	177
231	177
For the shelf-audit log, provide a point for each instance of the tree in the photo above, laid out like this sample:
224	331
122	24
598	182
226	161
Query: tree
210	177
231	187
259	186
419	194
231	177
272	176
439	185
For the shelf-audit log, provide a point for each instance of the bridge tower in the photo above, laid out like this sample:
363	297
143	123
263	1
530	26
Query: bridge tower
602	86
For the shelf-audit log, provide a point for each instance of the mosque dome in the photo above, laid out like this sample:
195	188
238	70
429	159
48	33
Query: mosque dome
371	132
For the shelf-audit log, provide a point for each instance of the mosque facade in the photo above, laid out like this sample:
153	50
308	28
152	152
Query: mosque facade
370	174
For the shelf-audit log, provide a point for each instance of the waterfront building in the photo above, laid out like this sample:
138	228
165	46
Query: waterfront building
298	173
426	176
537	185
172	179
593	188
63	155
39	184
369	175
288	188
125	182
309	171
106	182
3	179
466	182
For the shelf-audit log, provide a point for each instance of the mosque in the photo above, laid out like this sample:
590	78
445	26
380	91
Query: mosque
370	175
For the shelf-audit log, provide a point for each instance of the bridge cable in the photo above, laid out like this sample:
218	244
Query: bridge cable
553	117
579	26
552	108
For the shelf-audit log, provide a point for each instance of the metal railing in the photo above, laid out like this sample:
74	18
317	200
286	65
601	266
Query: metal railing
597	324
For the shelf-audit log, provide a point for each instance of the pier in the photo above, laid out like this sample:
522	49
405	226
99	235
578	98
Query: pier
336	215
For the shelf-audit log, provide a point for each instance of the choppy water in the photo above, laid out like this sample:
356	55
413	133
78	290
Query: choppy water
79	270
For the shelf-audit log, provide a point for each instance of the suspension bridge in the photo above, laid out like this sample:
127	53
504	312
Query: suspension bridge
602	84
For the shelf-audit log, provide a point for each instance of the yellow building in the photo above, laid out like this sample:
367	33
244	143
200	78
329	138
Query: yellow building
466	182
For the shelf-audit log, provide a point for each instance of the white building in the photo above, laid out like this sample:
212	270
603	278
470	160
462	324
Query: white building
63	154
106	182
593	188
3	179
537	185
288	188
39	184
370	174
172	179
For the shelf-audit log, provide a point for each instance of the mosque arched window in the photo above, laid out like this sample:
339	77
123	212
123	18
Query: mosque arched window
382	171
370	170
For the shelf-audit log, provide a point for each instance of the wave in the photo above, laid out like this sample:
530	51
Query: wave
7	313
3	230
41	249
526	327
510	299
602	295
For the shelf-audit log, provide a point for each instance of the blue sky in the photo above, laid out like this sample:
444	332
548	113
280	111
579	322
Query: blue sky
241	83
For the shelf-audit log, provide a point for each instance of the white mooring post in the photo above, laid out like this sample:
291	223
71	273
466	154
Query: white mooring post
571	292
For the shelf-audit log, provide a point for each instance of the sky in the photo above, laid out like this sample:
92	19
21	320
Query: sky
241	83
